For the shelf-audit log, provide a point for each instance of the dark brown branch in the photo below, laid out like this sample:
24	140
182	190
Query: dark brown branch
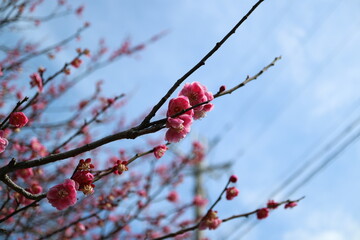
223	220
2	125
147	119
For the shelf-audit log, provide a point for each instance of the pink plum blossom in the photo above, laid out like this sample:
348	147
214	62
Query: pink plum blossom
210	221
178	128
231	193
198	93
160	150
3	141
63	195
178	104
262	213
18	119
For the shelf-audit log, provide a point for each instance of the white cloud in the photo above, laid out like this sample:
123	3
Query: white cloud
326	226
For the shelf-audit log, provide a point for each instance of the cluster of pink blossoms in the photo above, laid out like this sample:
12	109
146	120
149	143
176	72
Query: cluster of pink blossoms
64	195
191	95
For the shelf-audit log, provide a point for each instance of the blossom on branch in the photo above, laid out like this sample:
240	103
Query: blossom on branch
233	178
178	128
179	104
210	221
76	63
63	195
231	193
18	119
262	213
198	93
160	150
290	205
272	204
120	167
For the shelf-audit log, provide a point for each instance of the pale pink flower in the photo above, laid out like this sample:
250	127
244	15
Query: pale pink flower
1	72
231	193
178	104
210	221
3	141
178	128
63	195
160	150
36	81
18	119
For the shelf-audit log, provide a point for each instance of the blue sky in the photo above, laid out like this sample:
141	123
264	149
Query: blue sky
277	122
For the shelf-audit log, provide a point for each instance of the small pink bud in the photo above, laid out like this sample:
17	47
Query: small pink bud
222	88
290	205
272	204
233	178
173	196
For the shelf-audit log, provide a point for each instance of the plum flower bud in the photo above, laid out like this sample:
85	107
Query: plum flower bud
76	62
87	189
233	178
210	221
173	197
222	88
262	213
18	119
63	195
160	150
271	204
3	142
231	193
85	164
290	205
